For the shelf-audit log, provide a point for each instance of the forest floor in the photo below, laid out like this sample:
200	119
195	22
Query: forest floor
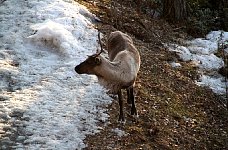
174	113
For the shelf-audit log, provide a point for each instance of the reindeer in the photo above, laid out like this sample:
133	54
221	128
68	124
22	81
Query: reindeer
119	71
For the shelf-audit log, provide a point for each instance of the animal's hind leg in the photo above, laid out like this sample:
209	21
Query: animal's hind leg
121	115
129	96
132	98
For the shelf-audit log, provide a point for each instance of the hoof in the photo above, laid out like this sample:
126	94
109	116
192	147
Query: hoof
133	111
135	116
121	120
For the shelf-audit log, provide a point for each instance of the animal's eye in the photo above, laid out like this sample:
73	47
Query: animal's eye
97	60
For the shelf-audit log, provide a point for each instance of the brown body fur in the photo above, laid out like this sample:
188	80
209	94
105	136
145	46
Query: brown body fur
119	71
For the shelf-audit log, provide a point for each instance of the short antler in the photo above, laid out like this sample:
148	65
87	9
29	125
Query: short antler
99	38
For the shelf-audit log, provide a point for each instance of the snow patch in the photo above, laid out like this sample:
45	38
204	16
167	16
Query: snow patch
209	62
119	132
202	51
41	43
214	36
175	65
54	35
202	46
216	84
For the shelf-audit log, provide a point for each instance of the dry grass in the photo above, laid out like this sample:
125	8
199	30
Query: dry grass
174	113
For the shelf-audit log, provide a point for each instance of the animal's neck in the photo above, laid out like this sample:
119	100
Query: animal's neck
111	75
109	70
116	75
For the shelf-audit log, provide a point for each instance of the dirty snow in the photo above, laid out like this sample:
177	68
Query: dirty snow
119	132
175	65
215	83
202	51
41	42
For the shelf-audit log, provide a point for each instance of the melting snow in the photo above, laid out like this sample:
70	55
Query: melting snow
216	84
202	50
175	65
41	42
119	132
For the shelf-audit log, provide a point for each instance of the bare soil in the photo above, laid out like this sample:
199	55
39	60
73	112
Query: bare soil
174	113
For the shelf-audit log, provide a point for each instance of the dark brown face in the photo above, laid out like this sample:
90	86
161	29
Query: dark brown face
87	66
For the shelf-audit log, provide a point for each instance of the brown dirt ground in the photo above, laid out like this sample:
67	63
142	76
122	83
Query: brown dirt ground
174	113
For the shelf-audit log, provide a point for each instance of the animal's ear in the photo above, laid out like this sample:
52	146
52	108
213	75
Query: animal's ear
97	60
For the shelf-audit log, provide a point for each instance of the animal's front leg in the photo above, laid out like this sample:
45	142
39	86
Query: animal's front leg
131	96
121	115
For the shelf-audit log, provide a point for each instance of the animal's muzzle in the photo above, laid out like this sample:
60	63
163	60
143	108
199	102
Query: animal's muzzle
77	69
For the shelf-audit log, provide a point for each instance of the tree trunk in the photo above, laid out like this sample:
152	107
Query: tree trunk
174	10
223	9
